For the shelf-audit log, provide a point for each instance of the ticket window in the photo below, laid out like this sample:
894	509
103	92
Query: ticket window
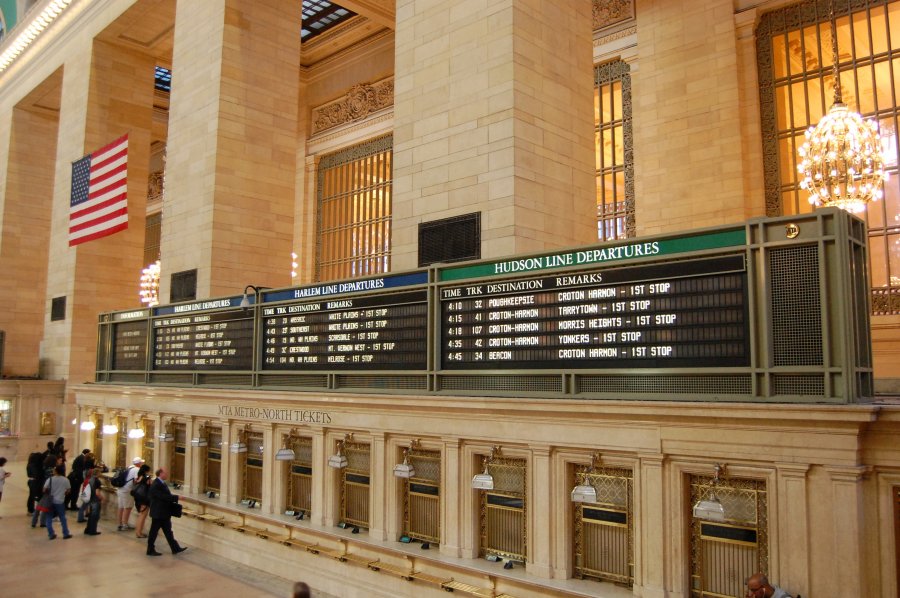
299	486
179	451
121	442
724	553
503	511
213	460
422	497
253	466
148	445
604	532
355	480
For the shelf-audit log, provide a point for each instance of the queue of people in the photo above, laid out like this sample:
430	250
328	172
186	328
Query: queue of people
51	493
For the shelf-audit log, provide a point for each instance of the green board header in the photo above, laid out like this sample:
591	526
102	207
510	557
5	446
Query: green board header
599	255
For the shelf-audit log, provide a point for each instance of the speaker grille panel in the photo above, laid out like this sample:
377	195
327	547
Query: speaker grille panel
450	240
294	380
502	383
795	305
225	379
794	384
733	384
376	382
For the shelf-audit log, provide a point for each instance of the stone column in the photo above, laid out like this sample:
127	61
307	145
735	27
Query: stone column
379	504
25	225
320	494
106	93
270	472
230	476
792	501
847	570
650	529
194	467
451	488
493	112
232	158
540	524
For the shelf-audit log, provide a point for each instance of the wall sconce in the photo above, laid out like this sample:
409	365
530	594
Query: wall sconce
586	492
405	470
245	301
166	435
137	431
238	447
484	480
339	459
711	508
109	429
286	453
88	425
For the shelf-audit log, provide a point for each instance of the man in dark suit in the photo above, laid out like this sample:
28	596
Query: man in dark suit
161	502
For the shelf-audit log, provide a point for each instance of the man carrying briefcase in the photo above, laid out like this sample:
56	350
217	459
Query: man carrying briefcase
162	506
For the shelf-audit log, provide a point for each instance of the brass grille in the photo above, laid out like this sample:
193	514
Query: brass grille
149	444
503	511
253	466
98	438
604	532
179	449
213	460
724	554
421	493
355	485
300	487
121	441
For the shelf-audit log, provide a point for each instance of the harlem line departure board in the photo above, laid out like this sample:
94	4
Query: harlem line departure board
368	332
208	341
679	314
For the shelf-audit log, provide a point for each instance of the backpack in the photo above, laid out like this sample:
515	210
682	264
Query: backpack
120	479
84	496
141	493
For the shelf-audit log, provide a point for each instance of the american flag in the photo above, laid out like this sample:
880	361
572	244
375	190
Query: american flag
99	202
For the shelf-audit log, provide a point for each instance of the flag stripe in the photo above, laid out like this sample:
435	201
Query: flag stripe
99	203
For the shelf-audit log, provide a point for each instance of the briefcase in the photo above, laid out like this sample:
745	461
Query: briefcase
176	509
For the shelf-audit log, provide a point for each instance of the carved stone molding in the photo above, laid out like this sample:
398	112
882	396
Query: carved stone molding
359	102
600	41
611	12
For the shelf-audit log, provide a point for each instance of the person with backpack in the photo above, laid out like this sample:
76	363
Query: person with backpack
141	495
124	481
57	487
34	473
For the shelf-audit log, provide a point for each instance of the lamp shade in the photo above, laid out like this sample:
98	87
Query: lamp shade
483	481
285	454
87	426
166	437
110	429
135	433
404	470
584	493
710	509
238	447
337	461
198	441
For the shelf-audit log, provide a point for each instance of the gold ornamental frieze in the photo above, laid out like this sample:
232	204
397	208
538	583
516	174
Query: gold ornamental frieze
611	12
359	102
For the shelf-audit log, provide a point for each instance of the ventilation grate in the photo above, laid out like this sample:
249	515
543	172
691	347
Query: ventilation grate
726	385
450	240
158	378
225	379
503	383
795	305
798	384
294	380
131	378
386	382
183	286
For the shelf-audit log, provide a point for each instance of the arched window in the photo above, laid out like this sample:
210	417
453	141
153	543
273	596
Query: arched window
614	145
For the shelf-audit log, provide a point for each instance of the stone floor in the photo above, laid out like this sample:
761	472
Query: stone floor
113	564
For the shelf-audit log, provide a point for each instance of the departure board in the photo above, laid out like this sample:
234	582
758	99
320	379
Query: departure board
677	314
386	331
210	341
130	346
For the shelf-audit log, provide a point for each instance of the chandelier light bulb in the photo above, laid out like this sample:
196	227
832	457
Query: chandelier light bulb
150	284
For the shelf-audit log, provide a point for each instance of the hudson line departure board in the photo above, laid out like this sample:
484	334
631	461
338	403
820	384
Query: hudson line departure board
679	314
207	341
367	332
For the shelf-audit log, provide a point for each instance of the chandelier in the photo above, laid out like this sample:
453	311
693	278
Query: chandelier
150	285
841	161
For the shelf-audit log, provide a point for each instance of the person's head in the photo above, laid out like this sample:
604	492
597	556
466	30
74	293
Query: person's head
144	469
2	461
162	474
758	587
60	470
60	441
86	452
50	446
137	461
301	590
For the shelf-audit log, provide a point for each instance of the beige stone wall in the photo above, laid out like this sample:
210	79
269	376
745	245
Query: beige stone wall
493	114
25	237
230	176
690	164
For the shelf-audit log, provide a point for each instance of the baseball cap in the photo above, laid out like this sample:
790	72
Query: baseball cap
137	461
